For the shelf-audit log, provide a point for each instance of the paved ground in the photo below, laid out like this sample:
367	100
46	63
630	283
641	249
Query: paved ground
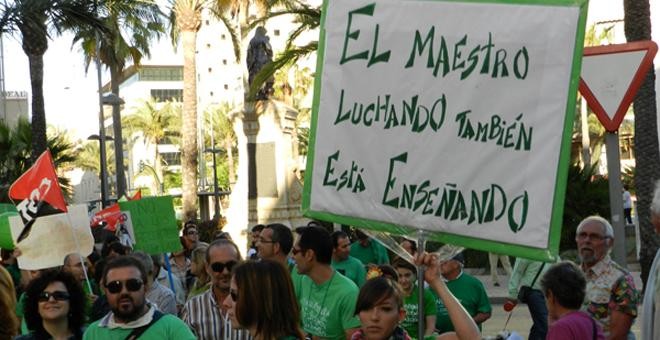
520	321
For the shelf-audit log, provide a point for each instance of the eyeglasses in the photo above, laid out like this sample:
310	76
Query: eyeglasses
132	285
234	295
57	295
219	267
596	237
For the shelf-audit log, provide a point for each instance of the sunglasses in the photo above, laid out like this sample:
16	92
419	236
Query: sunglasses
57	295
234	295
132	285
219	267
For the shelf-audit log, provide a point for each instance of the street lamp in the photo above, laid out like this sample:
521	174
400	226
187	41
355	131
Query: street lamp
113	100
102	138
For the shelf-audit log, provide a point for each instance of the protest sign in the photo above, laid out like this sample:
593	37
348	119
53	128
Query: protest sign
52	238
153	224
445	116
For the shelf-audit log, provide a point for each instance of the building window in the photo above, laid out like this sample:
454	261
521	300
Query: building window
627	146
174	73
211	93
171	158
224	61
276	33
162	95
223	37
207	22
226	87
208	45
210	70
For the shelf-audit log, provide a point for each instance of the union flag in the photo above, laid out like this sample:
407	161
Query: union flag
38	193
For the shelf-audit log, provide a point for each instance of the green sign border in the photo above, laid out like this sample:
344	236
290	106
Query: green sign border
549	254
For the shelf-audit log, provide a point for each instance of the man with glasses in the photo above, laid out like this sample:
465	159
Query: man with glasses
611	294
131	316
327	298
204	313
274	243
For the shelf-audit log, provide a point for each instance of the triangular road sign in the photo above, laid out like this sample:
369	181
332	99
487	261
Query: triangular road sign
611	76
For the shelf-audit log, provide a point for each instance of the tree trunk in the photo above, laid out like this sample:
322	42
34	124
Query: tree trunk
637	25
189	128
39	143
115	74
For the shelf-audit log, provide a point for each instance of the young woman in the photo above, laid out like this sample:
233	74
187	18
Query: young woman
261	299
198	269
564	288
407	280
54	307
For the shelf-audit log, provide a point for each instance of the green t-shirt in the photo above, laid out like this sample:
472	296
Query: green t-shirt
353	269
410	304
373	253
20	313
169	327
470	293
327	309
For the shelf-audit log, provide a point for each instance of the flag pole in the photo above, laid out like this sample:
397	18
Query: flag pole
82	260
169	273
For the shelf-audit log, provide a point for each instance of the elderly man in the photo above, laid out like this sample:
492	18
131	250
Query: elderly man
274	243
467	289
651	304
611	294
205	313
131	316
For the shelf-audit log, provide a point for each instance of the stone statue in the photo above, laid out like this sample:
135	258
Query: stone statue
259	54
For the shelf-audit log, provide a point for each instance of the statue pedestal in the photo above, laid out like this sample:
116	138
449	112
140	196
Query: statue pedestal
267	189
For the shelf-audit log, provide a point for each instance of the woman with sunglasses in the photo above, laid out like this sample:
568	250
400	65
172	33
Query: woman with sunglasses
54	307
261	299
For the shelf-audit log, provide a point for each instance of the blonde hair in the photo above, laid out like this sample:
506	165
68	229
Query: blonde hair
198	257
7	306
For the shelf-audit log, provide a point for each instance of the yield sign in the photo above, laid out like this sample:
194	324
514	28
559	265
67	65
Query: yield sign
611	76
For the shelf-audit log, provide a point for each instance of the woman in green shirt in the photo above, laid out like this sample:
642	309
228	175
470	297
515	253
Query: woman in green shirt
261	299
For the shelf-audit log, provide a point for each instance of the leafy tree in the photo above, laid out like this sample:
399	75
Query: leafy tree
637	26
15	154
37	21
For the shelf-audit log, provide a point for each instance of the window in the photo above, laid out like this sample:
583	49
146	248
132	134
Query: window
207	22
223	37
211	93
224	61
167	73
208	45
162	95
210	70
627	146
276	33
226	87
171	158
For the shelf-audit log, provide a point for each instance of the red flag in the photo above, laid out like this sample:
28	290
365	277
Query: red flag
137	196
109	215
37	192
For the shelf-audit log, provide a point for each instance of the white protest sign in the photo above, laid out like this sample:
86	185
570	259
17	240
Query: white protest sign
450	117
52	238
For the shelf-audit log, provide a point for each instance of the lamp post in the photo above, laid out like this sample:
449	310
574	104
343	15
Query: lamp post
216	193
113	100
102	138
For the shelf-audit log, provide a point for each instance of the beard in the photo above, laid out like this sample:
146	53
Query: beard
128	312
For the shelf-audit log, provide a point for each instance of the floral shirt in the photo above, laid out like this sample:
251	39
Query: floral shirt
609	288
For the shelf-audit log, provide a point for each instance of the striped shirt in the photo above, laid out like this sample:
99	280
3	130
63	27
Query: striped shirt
208	321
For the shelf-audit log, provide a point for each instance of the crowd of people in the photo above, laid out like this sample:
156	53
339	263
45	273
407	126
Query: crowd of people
309	283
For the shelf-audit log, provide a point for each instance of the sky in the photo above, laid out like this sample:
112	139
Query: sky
71	96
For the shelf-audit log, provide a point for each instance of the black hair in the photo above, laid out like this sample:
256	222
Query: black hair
413	244
114	246
76	316
401	263
376	290
125	261
258	227
336	236
317	239
282	235
567	283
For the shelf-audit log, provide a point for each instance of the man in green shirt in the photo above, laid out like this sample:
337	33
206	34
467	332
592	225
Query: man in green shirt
344	263
368	251
467	289
327	298
407	280
124	279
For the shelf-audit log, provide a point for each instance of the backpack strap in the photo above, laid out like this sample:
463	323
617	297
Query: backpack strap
140	330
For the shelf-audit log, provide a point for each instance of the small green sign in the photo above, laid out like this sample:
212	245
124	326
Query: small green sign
154	224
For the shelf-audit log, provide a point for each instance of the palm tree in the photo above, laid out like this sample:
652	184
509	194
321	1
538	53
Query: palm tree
154	122
186	19
37	20
223	132
132	26
15	159
637	26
